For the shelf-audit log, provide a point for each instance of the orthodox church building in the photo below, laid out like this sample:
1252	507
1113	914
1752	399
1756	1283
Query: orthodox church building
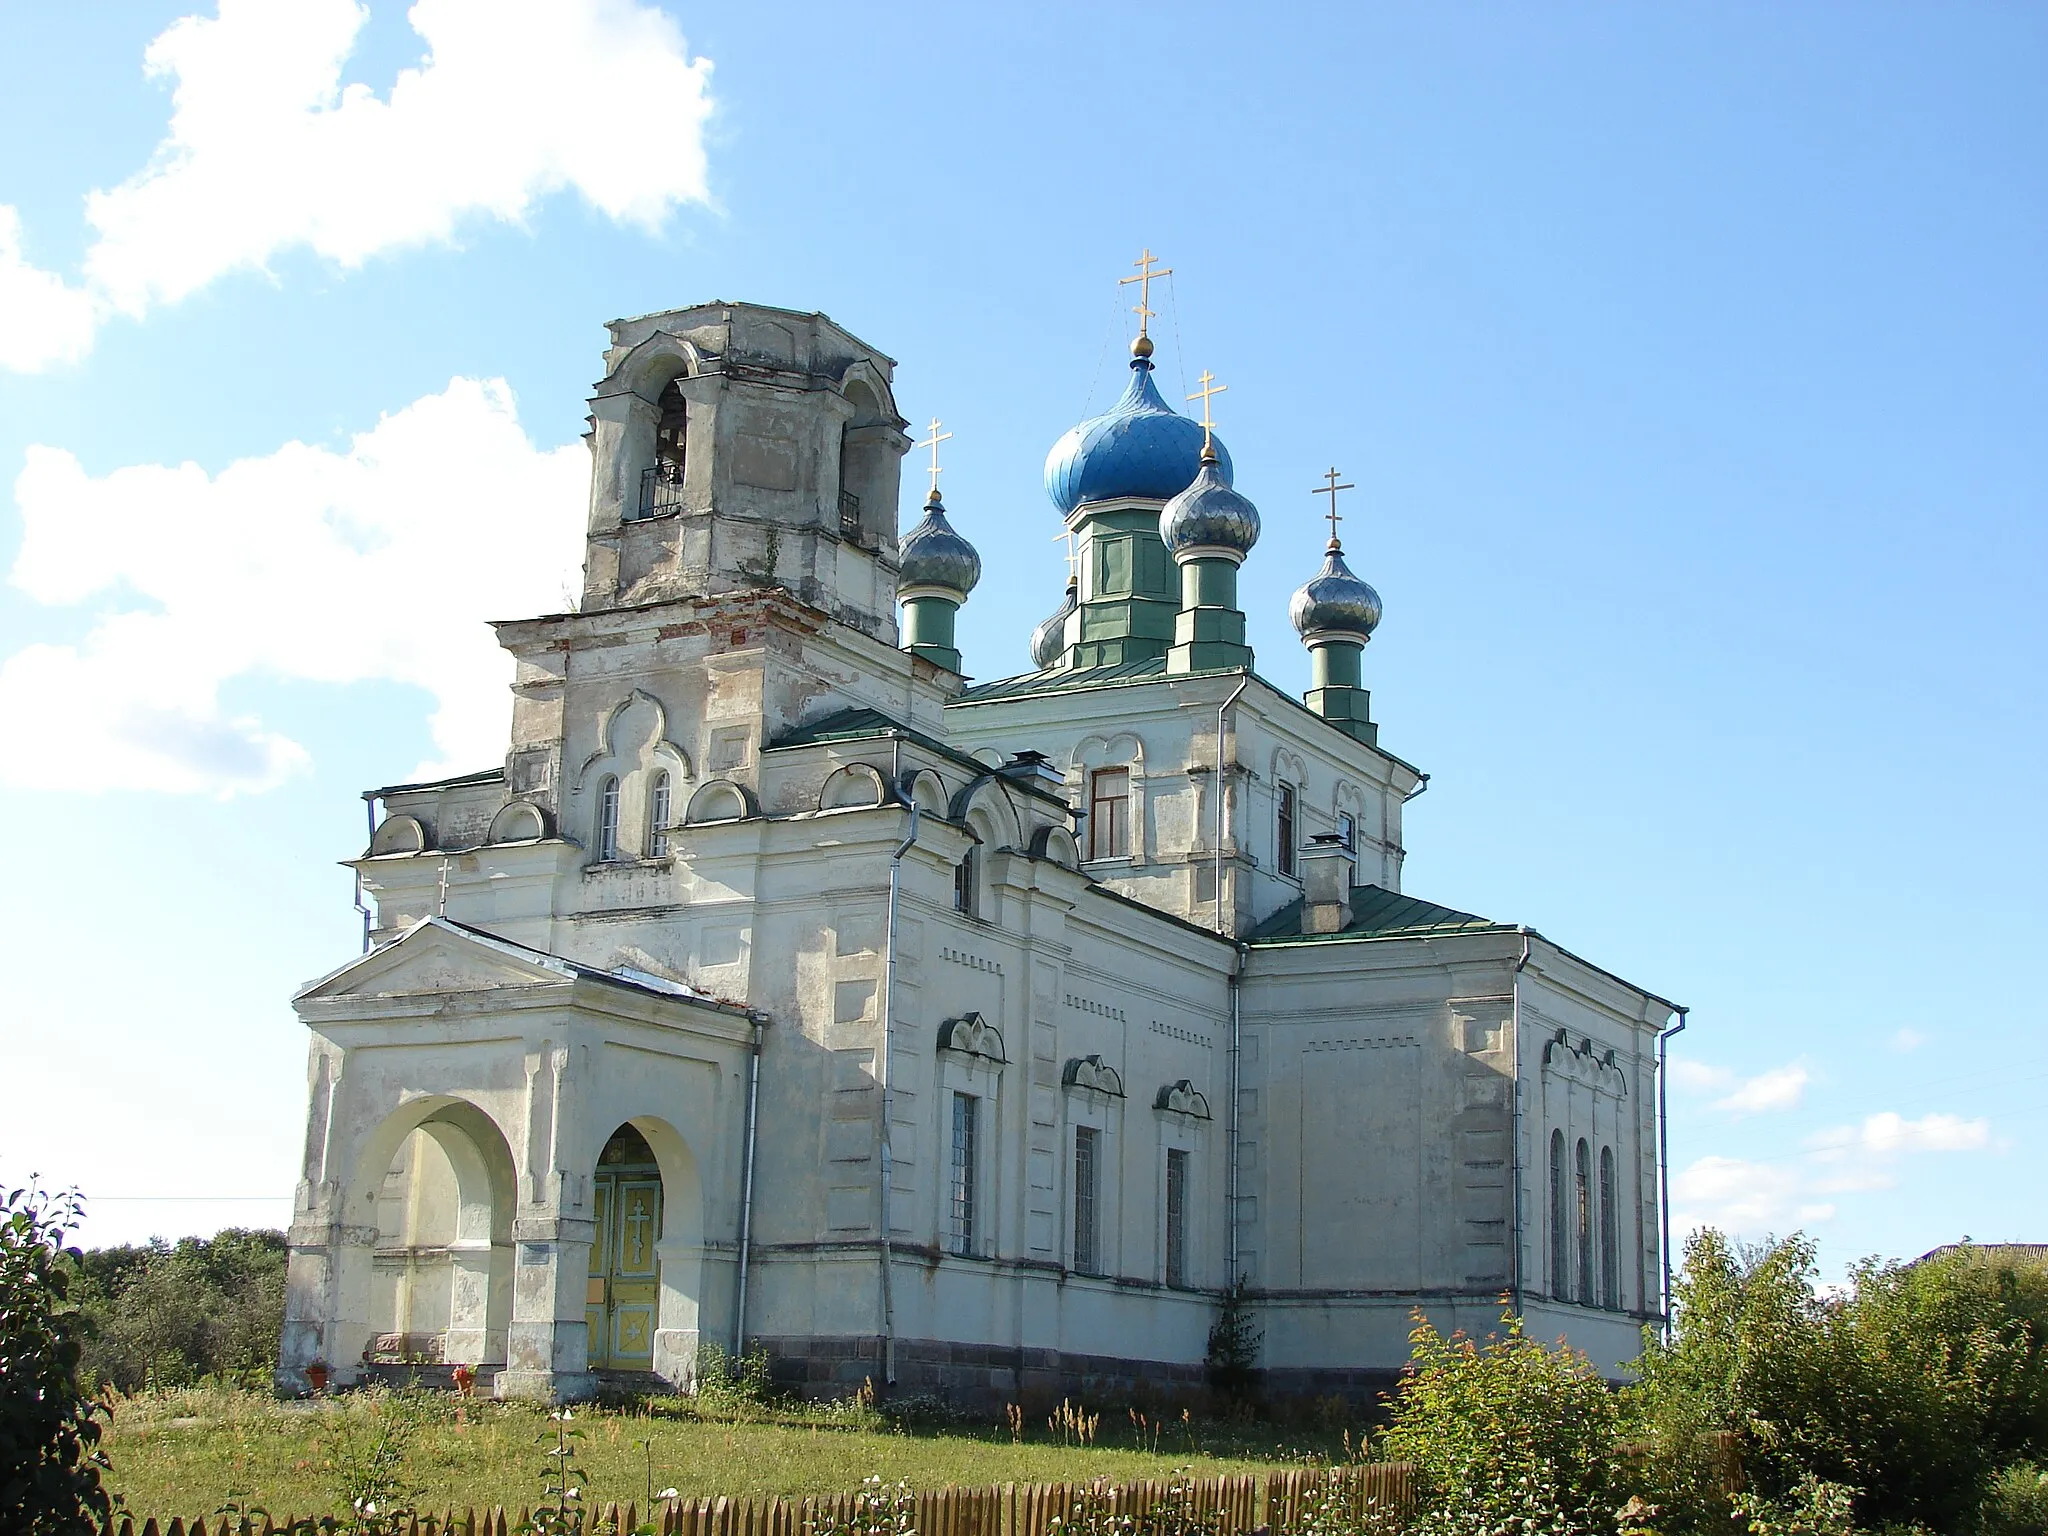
784	989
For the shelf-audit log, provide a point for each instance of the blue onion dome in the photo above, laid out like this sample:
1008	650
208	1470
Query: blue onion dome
1050	638
1210	515
1140	446
933	555
1335	602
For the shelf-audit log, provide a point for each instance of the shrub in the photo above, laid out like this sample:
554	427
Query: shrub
166	1315
1234	1339
2017	1504
1910	1388
49	1430
1508	1436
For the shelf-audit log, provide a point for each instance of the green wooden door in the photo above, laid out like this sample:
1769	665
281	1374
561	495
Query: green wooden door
624	1296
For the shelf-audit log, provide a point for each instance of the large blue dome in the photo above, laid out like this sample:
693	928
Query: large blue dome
1139	447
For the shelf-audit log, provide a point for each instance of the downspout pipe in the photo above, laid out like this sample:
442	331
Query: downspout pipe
1231	1126
884	1158
739	1310
370	818
1664	1161
1515	1266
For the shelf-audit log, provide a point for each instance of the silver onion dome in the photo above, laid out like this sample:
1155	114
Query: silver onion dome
1050	638
1335	602
933	555
1210	515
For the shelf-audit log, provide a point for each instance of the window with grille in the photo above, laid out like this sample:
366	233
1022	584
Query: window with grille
1176	1216
1109	811
608	820
966	1127
657	817
1610	1235
1584	1186
1087	1163
1284	829
1560	1223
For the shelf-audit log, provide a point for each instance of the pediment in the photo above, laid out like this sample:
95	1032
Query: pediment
437	956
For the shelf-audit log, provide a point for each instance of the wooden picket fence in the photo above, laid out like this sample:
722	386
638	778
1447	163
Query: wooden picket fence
1237	1506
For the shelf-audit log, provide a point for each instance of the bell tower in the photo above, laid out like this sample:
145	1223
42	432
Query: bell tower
736	446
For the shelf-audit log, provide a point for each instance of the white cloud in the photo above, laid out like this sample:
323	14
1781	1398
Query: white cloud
1742	1197
267	151
1905	1040
1780	1088
1770	1092
1755	1198
379	562
42	319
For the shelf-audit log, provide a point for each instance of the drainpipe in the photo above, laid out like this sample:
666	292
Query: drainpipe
1515	1127
1664	1164
739	1317
885	1159
1223	794
1231	1128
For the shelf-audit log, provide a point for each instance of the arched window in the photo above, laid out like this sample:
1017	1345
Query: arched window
1560	1223
608	820
1610	1236
661	483
964	883
657	816
1584	1214
1284	829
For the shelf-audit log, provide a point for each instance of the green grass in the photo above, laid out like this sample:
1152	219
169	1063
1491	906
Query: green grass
185	1453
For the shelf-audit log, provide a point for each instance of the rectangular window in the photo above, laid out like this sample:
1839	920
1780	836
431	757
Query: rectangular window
1347	829
1087	1145
966	1109
963	884
1109	801
1284	829
1176	1216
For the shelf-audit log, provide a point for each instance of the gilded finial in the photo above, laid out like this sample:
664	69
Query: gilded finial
1330	488
1210	388
932	442
1142	347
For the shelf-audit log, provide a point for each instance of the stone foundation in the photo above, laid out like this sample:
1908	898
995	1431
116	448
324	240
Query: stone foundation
978	1377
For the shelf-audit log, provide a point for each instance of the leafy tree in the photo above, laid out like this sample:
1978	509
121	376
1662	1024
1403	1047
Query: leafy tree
1506	1436
168	1315
1912	1388
49	1428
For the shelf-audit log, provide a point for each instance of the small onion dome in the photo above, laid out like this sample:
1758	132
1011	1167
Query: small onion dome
1140	446
933	555
1050	638
1210	515
1335	602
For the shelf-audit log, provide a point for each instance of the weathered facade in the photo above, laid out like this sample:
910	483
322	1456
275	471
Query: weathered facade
782	989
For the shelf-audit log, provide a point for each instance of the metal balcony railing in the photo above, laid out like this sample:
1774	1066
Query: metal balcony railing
661	489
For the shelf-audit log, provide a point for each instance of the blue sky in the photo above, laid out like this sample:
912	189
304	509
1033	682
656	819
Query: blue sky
1691	363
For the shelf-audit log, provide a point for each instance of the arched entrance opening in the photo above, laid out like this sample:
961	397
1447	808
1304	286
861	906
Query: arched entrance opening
440	1273
623	1303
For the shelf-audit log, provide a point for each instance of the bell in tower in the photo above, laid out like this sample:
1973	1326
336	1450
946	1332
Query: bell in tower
736	446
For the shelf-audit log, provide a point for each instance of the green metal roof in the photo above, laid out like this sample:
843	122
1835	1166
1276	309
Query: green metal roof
1378	913
864	725
1059	679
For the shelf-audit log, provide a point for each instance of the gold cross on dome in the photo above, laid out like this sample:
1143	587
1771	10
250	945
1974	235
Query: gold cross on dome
1210	388
1330	490
937	437
1144	281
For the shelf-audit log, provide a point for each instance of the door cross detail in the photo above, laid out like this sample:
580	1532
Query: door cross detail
637	1221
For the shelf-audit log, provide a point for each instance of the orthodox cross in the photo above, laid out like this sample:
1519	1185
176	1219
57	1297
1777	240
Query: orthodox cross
1072	573
1330	490
1209	388
937	437
1144	281
637	1223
